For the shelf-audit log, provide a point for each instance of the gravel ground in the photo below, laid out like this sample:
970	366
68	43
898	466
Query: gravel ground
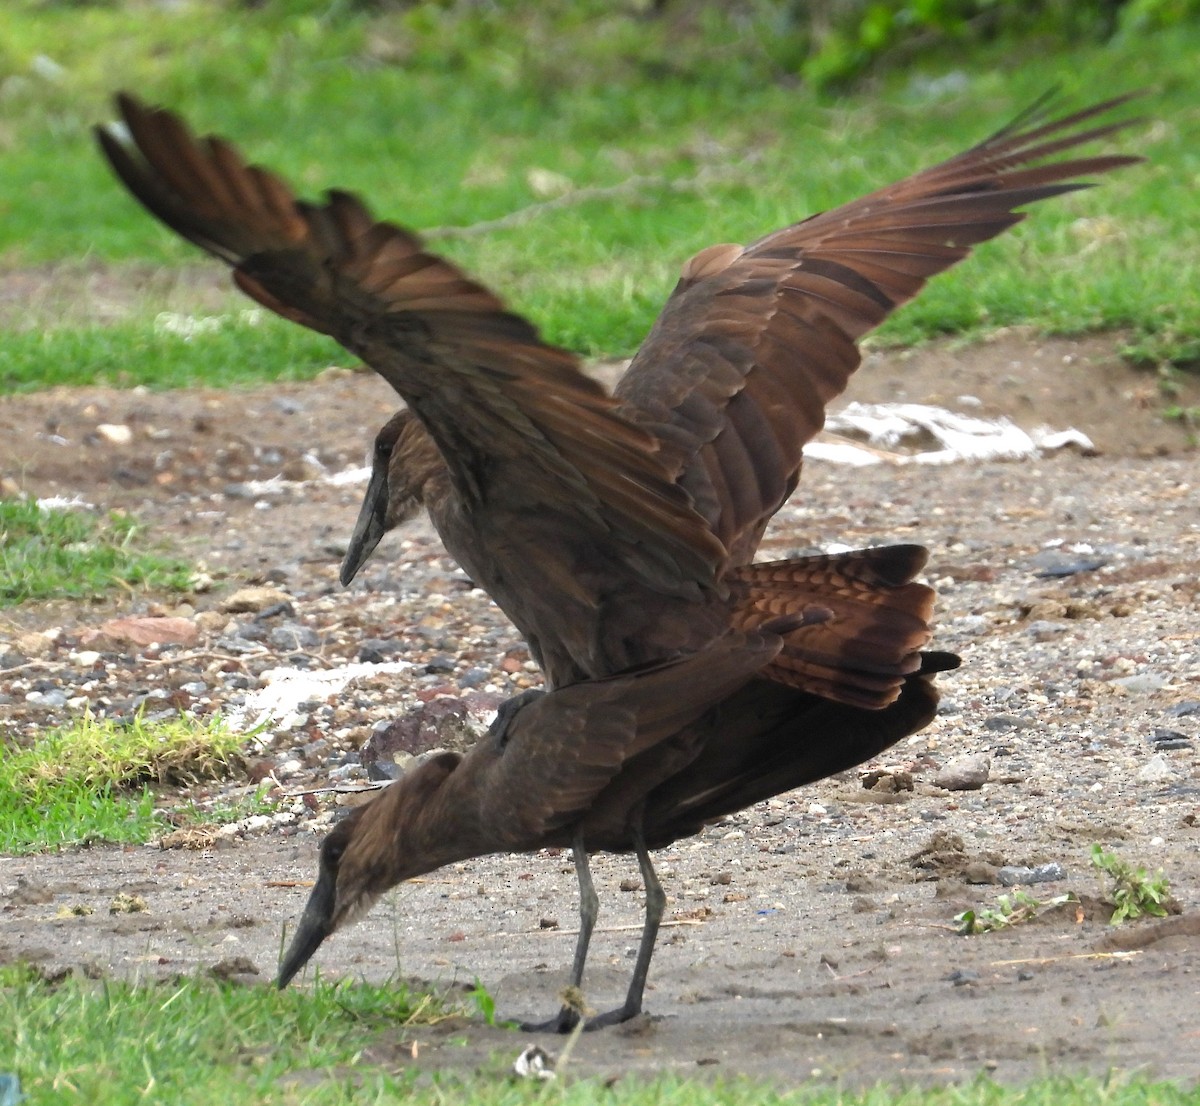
811	935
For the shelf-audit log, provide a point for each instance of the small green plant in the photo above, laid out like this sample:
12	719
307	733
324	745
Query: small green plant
484	1000
46	554
1010	910
1133	892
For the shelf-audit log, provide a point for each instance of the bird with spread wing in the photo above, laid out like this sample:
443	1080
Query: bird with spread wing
618	531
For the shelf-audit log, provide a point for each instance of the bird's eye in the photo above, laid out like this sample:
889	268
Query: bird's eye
331	851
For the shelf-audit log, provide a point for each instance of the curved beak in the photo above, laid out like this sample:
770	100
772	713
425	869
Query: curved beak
370	526
316	923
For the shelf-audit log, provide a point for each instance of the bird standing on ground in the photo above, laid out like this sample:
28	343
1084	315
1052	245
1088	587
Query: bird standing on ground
618	531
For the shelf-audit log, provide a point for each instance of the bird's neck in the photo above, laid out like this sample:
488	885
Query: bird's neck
441	822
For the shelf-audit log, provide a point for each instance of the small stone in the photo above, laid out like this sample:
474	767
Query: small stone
52	699
1012	874
34	645
119	633
1143	682
293	636
253	599
965	773
115	433
1156	770
1002	723
85	658
377	651
1165	741
1181	710
548	923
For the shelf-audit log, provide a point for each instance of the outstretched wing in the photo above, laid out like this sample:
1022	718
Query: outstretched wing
754	342
520	427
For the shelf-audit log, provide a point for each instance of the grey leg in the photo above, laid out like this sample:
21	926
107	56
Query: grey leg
589	910
656	904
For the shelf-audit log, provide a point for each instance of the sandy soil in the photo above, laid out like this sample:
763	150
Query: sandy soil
809	937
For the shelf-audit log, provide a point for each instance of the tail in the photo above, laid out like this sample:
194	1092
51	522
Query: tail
853	624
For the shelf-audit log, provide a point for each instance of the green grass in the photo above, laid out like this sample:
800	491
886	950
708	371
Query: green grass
440	116
88	781
198	1042
51	554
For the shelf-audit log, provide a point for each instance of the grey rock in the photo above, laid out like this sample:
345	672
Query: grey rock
1165	741
378	650
965	773
1141	682
1012	874
292	635
1156	770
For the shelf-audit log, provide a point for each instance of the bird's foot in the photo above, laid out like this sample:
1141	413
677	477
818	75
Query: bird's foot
563	1022
613	1017
568	1018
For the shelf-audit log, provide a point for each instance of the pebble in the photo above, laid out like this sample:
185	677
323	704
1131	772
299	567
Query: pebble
1010	875
1169	740
965	773
962	977
378	650
292	635
253	599
115	433
34	645
1004	722
52	699
1156	770
1145	681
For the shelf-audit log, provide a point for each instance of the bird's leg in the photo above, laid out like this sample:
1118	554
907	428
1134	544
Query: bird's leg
656	903
589	910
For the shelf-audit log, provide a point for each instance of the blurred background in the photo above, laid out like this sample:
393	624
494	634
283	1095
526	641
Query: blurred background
574	155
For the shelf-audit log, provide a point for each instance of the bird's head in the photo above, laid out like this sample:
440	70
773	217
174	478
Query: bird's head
403	461
390	839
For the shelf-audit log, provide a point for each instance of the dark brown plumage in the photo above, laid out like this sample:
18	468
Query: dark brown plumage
603	526
618	532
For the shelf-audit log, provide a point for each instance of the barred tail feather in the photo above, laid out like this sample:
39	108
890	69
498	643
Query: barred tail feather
859	622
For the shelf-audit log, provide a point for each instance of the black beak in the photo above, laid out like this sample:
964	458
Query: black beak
316	923
370	525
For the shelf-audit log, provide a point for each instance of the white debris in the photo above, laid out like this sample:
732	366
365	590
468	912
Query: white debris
882	429
62	503
534	1063
279	700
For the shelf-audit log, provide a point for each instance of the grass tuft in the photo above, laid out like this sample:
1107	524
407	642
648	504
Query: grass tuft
50	554
198	1041
88	782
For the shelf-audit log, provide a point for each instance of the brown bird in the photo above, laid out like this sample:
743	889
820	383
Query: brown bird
632	762
617	532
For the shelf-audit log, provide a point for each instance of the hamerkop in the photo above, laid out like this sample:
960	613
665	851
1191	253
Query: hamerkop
618	531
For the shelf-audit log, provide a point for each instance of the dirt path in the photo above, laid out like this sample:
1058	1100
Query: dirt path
811	935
